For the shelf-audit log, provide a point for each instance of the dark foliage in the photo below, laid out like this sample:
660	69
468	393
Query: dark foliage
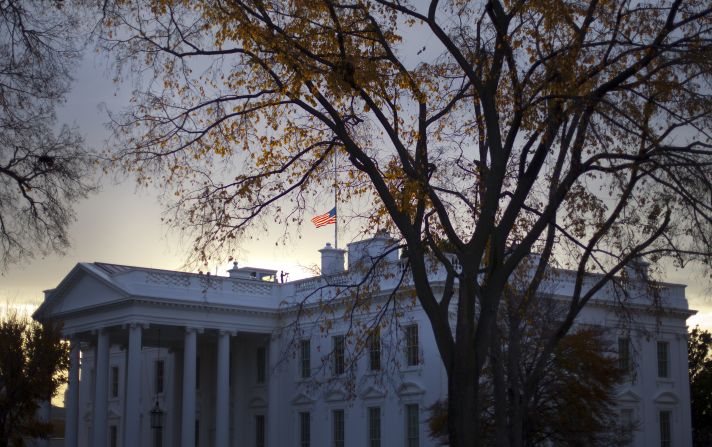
700	357
43	170
33	364
573	404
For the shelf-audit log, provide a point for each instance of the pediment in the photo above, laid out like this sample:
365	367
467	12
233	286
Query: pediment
257	402
628	396
335	395
81	289
666	397
410	389
302	399
372	392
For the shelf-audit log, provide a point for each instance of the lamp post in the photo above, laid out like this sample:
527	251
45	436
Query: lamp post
156	417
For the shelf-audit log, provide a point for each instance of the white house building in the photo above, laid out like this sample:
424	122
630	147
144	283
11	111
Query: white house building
180	359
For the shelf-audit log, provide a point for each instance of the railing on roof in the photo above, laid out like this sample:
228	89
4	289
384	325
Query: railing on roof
211	283
168	279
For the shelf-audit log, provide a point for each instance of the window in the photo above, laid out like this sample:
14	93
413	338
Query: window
339	355
338	429
160	373
374	351
412	353
374	427
197	373
113	435
261	364
158	437
627	418
665	429
197	433
260	430
114	381
624	354
627	425
304	359
663	359
304	429
412	425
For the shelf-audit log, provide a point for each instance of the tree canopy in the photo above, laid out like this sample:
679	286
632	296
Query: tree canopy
574	404
700	356
43	169
477	132
33	364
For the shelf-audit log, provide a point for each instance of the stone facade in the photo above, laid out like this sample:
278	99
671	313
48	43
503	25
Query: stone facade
246	360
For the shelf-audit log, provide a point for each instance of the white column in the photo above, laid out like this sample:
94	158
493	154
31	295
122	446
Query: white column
132	418
187	437
101	396
71	420
222	407
273	430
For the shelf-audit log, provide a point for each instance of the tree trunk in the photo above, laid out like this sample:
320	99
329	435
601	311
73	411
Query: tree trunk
3	432
464	421
500	391
516	413
463	410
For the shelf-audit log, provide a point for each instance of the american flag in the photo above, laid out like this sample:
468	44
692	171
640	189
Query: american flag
325	219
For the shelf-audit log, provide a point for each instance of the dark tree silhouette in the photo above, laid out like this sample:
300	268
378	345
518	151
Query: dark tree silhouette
699	345
33	364
43	170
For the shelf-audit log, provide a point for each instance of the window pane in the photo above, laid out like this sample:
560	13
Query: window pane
339	360
158	437
374	427
259	430
412	352
304	429
305	358
624	354
114	381
665	429
197	433
261	364
663	348
160	371
374	352
338	429
626	418
197	372
412	415
627	425
113	436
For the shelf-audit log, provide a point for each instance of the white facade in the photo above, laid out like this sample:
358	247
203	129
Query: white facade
236	370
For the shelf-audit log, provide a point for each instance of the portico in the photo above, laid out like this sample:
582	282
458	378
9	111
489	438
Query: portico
201	355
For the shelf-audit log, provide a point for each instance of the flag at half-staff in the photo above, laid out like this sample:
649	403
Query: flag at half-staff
325	219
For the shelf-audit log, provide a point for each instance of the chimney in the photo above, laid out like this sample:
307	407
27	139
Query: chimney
332	260
637	268
233	272
363	254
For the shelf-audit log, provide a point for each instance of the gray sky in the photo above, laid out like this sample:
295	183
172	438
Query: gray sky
123	225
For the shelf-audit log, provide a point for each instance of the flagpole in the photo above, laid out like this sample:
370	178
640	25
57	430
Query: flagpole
336	204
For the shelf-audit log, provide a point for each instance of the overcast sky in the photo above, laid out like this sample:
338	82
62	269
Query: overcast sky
122	225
